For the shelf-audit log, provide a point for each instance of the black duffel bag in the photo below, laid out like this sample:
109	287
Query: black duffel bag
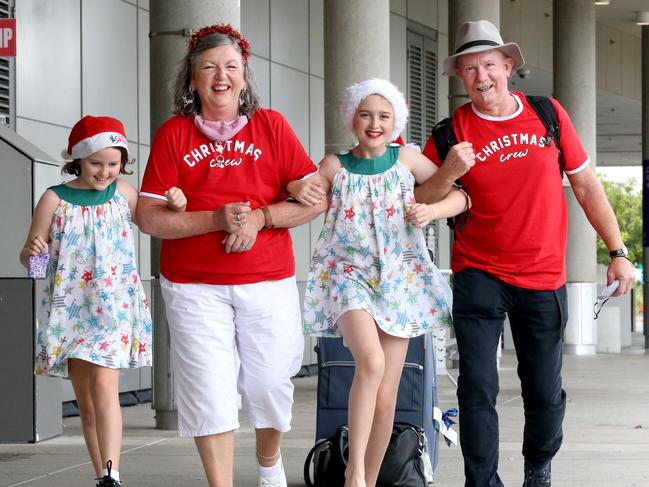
402	465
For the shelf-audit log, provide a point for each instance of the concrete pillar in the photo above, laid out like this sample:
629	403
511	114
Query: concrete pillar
574	87
357	47
645	176
171	23
460	11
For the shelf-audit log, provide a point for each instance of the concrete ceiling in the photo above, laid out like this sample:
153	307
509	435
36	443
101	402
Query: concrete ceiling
619	141
621	14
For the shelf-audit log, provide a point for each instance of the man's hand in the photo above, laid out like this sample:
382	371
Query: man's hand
459	160
622	270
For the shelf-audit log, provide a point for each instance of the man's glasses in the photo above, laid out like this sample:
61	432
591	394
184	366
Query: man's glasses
604	296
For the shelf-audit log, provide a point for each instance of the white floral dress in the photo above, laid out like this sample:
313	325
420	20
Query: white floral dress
93	307
368	257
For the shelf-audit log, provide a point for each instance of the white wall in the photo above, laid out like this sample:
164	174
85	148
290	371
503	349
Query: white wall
77	58
618	66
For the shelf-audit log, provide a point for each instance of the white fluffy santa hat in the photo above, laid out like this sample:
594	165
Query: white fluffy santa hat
357	92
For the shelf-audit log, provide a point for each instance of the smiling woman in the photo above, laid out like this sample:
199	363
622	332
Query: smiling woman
218	78
227	265
216	62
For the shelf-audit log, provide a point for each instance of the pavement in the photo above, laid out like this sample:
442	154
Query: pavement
606	436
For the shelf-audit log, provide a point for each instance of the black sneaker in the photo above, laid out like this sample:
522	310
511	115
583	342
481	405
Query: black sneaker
537	477
107	480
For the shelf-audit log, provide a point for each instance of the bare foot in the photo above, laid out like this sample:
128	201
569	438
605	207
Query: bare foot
354	477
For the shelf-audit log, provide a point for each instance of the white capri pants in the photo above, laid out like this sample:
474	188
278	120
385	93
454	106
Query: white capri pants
206	323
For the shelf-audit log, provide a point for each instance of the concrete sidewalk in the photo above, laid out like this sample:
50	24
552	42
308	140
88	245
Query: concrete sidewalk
606	437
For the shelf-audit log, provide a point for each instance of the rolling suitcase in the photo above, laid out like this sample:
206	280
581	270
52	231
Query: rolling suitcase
416	398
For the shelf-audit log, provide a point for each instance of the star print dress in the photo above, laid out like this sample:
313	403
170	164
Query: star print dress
368	257
93	307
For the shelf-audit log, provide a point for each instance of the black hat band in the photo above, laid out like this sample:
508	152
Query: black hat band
466	46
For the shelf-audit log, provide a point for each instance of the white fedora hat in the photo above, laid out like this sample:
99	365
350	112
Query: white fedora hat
480	36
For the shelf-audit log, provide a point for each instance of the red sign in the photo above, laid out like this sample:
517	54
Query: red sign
7	37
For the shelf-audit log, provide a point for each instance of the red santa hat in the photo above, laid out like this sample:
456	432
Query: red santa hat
92	134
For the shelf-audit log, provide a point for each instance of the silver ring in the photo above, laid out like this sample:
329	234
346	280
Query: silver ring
238	217
244	246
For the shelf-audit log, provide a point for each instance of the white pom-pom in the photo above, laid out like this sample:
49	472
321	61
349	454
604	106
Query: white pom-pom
414	146
66	155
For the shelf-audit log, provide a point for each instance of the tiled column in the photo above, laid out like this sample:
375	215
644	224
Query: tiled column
356	47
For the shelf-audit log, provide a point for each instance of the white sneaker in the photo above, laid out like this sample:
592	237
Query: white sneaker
274	481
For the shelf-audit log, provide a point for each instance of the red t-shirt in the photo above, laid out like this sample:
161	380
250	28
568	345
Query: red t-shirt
257	164
516	229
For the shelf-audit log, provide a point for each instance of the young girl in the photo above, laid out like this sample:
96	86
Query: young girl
94	317
371	276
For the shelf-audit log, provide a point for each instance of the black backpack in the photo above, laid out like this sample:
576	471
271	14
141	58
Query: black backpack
444	137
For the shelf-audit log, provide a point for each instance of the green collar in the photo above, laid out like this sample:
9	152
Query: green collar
375	165
84	197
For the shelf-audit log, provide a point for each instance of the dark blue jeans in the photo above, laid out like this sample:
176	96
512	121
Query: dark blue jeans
537	318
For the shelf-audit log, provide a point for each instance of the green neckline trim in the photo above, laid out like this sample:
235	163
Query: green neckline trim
375	165
84	197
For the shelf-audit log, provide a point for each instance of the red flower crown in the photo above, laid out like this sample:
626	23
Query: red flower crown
225	29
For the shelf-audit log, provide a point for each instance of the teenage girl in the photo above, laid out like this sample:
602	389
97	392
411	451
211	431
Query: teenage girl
371	278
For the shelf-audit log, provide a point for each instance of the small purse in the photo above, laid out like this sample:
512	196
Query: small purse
403	464
37	265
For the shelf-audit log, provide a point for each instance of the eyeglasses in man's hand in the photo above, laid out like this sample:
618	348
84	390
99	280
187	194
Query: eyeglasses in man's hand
604	296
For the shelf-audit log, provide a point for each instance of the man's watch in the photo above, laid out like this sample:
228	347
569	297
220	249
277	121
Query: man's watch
621	252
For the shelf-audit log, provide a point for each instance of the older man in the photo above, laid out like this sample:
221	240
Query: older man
509	254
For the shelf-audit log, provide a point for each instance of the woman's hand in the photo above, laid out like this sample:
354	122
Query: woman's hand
232	217
420	215
242	240
37	245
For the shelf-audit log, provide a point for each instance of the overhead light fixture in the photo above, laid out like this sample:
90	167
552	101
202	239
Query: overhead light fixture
602	2
642	18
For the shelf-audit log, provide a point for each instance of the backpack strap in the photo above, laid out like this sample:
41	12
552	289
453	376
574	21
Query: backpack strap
548	116
444	138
